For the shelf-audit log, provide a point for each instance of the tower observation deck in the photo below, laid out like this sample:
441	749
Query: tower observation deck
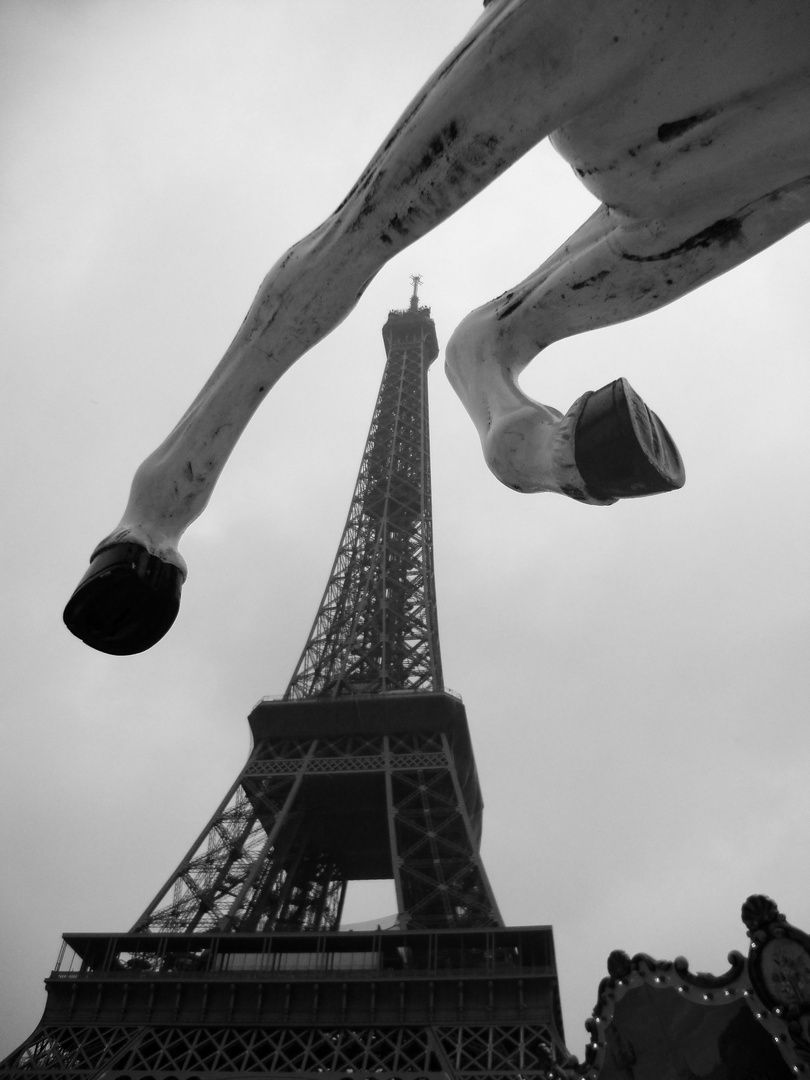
363	770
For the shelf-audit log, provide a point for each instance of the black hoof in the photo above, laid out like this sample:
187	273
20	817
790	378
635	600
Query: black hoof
622	449
125	602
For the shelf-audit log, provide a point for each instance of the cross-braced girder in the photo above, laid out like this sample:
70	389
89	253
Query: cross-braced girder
458	1052
307	816
257	864
376	628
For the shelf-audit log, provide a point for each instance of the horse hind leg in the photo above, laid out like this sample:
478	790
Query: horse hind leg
609	445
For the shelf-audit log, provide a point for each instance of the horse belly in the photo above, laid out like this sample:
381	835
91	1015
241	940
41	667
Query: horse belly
711	159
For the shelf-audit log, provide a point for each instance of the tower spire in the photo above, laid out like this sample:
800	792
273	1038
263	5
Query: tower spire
416	281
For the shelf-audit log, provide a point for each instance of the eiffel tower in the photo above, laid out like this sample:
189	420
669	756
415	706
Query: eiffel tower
363	770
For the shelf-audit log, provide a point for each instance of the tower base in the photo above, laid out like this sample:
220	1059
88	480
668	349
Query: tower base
437	1004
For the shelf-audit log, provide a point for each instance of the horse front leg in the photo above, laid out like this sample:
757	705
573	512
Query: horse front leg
130	595
303	297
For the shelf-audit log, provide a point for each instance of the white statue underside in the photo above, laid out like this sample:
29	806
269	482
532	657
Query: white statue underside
689	121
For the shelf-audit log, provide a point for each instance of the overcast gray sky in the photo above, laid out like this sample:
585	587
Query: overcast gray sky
635	677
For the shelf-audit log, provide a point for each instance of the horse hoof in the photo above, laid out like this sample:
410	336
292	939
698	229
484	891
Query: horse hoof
126	601
622	449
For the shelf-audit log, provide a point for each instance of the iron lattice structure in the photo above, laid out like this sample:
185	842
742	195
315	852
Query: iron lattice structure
335	791
363	770
471	1004
376	628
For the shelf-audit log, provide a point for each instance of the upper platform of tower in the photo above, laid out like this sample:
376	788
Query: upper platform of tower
411	326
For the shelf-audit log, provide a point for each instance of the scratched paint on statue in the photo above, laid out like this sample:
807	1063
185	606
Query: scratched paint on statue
698	165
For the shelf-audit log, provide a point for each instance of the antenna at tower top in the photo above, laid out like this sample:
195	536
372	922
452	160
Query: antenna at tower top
416	281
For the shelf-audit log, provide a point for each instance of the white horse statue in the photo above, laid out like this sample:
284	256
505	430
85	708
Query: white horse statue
688	119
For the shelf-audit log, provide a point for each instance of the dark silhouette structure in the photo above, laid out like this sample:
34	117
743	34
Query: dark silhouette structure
363	770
